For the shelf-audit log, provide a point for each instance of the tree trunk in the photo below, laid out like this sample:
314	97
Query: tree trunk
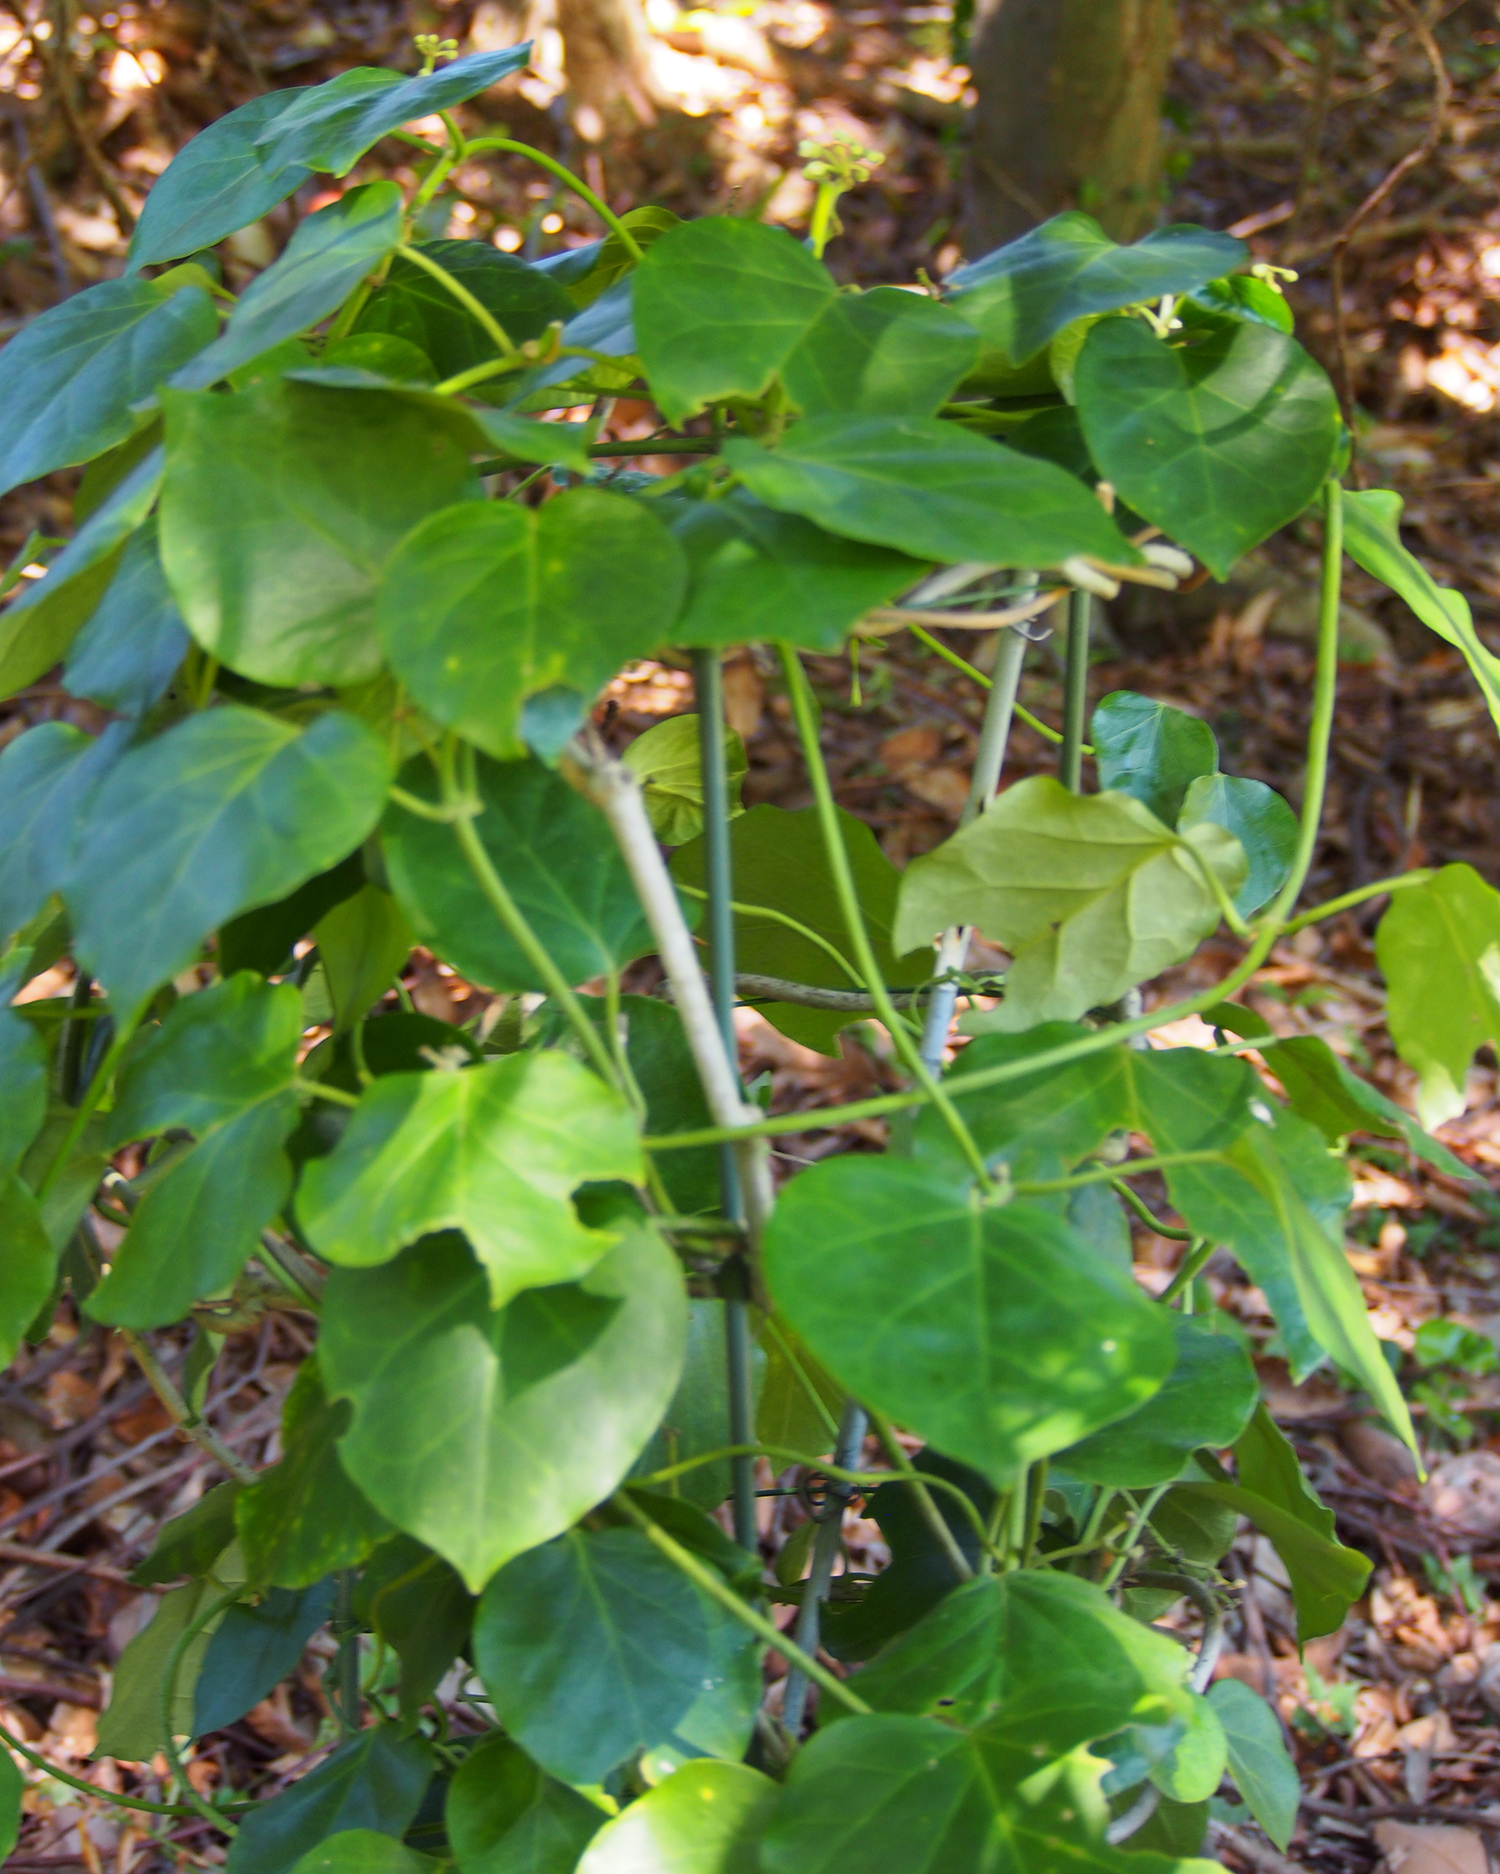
607	55
1069	114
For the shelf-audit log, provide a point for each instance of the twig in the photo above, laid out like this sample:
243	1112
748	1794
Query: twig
202	1434
1404	1812
41	203
1258	1854
69	1564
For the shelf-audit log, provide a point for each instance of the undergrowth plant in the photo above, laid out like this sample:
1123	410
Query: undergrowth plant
350	570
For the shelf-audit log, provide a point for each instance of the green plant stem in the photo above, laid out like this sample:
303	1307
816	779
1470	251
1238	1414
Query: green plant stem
790	923
1075	692
177	1408
474	307
1379	889
462	803
1036	1497
92	1094
346	1662
936	1522
822	217
814	1397
800	693
959	663
1133	1535
104	1796
168	1700
482	373
718	1589
1199	1252
1147	1216
828	1540
323	1090
581	189
1227	908
1106	1174
1091	1532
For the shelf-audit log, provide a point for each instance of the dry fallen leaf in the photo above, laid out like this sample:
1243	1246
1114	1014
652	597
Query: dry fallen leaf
1463	1493
1417	1848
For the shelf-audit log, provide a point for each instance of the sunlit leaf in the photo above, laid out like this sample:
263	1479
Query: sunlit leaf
885	352
707	1818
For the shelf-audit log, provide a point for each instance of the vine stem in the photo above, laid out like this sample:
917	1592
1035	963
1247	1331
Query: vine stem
1268	930
202	1435
581	189
717	1588
168	1699
827	1541
1106	1174
616	791
1200	1249
790	923
474	307
1419	875
962	663
108	1797
803	707
936	1522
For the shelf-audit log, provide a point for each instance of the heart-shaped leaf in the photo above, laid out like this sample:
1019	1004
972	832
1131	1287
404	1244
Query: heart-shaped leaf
1259	1762
374	1780
1259	819
1219	441
930	489
706	1818
411	304
882	353
127	653
46	777
1151	751
505	1813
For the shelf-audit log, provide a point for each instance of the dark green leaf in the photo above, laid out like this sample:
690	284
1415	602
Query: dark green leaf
228	809
411	304
302	1518
126	655
363	943
505	1815
706	1818
30	1263
46	778
781	866
262	939
12	1789
253	1649
608	261
1218	442
131	1726
374	1781
381	354
487	604
554	852
1091	894
661	1060
216	184
69	378
495	1151
1022	294
322	484
882	353
696	1420
326	258
1151	751
755	574
910	1793
1263	1772
40	623
1207	1398
720	304
1259	819
487	1432
1435	946
190	1544
420	1608
332	125
23	1080
594	1647
930	489
1020	1340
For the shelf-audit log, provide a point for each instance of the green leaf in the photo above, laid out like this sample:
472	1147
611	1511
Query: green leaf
1372	539
1040	1660
1438	946
126	655
695	1420
1244	296
910	1793
263	939
1192	1770
756	574
495	1151
594	1647
604	328
1263	1772
23	1080
930	489
252	1650
228	809
1091	894
1207	1399
1020	295
326	258
505	1815
554	852
362	1851
39	777
131	1726
411	304
780	865
372	1781
12	1789
198	1226
1218	442
30	1265
331	125
302	1518
69	378
363	942
658	1054
1019	1341
216	184
322	485
423	1612
667	762
190	1544
40	623
219	1052
1259	819
881	353
785	1413
720	304
1151	751
487	604
486	1432
707	1818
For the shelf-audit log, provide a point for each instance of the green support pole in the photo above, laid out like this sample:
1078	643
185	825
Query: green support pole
1075	693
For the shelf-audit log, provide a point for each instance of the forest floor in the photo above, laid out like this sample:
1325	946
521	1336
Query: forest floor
1279	130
